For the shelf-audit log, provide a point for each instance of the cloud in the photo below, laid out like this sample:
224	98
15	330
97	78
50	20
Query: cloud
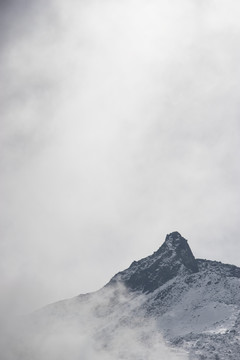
105	325
119	124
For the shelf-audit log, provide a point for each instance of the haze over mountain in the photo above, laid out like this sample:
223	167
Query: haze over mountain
168	305
119	121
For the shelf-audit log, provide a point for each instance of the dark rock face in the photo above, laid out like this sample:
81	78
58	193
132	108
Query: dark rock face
148	274
177	243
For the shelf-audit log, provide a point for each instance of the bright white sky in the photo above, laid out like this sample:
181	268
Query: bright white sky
119	124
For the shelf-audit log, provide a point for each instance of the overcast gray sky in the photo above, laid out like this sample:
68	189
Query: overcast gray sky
119	124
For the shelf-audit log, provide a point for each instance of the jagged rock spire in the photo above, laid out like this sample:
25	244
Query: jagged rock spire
173	258
175	242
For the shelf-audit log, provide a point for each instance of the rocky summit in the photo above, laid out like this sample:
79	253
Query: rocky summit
174	257
168	305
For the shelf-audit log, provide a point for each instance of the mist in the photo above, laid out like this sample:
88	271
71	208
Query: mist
109	324
119	124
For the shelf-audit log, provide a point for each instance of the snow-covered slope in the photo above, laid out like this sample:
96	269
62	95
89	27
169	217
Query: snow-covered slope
168	305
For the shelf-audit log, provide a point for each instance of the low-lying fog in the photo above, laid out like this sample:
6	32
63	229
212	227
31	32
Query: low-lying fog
107	325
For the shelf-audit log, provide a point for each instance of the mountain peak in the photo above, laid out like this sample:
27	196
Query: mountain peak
174	240
174	235
173	258
177	244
